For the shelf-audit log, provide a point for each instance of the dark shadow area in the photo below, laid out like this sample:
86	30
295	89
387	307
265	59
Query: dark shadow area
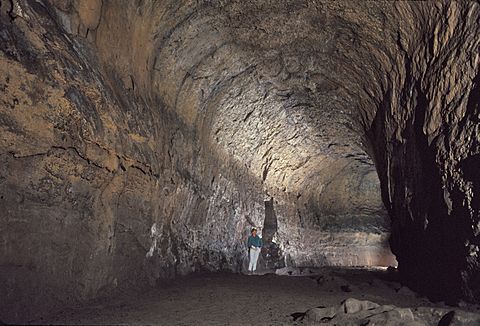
425	238
271	253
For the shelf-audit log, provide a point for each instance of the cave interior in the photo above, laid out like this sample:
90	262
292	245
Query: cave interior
140	141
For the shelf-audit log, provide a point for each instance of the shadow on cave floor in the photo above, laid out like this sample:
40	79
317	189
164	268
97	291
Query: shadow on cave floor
226	298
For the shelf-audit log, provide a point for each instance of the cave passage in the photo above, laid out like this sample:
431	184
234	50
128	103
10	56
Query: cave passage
141	140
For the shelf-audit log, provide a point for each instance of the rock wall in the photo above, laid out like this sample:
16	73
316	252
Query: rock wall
142	140
426	141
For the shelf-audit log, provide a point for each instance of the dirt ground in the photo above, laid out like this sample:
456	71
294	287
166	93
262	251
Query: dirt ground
236	299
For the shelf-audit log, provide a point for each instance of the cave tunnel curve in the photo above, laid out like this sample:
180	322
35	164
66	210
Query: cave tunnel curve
165	130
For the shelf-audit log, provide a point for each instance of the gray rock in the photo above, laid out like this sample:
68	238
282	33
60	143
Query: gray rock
394	317
352	306
363	312
321	314
434	315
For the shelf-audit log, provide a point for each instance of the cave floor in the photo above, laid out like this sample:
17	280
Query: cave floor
235	299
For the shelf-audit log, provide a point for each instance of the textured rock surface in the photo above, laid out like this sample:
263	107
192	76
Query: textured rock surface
141	140
353	312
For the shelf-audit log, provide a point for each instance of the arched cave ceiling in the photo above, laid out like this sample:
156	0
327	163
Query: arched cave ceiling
144	138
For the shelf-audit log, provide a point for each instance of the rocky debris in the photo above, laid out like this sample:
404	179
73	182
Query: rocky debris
321	314
363	312
352	306
445	316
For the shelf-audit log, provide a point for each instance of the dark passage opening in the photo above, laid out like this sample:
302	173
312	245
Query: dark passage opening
272	255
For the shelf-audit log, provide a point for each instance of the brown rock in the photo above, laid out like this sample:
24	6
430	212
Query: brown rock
149	149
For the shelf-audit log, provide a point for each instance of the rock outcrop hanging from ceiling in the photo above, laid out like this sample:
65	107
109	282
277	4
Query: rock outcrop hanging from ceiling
426	140
141	140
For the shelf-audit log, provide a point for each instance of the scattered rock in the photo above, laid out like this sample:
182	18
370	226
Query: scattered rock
321	314
351	305
298	316
362	312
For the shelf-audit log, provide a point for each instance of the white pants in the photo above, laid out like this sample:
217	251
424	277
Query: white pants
254	252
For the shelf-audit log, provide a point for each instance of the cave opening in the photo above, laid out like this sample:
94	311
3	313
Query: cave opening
272	255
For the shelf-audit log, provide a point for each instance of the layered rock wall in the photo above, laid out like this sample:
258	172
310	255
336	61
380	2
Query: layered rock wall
425	136
141	140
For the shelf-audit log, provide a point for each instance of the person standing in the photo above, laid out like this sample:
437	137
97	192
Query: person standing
254	244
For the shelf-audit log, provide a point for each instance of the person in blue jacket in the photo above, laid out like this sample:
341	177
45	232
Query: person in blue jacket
254	244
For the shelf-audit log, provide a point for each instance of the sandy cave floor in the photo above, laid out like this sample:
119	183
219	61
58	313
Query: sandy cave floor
236	299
